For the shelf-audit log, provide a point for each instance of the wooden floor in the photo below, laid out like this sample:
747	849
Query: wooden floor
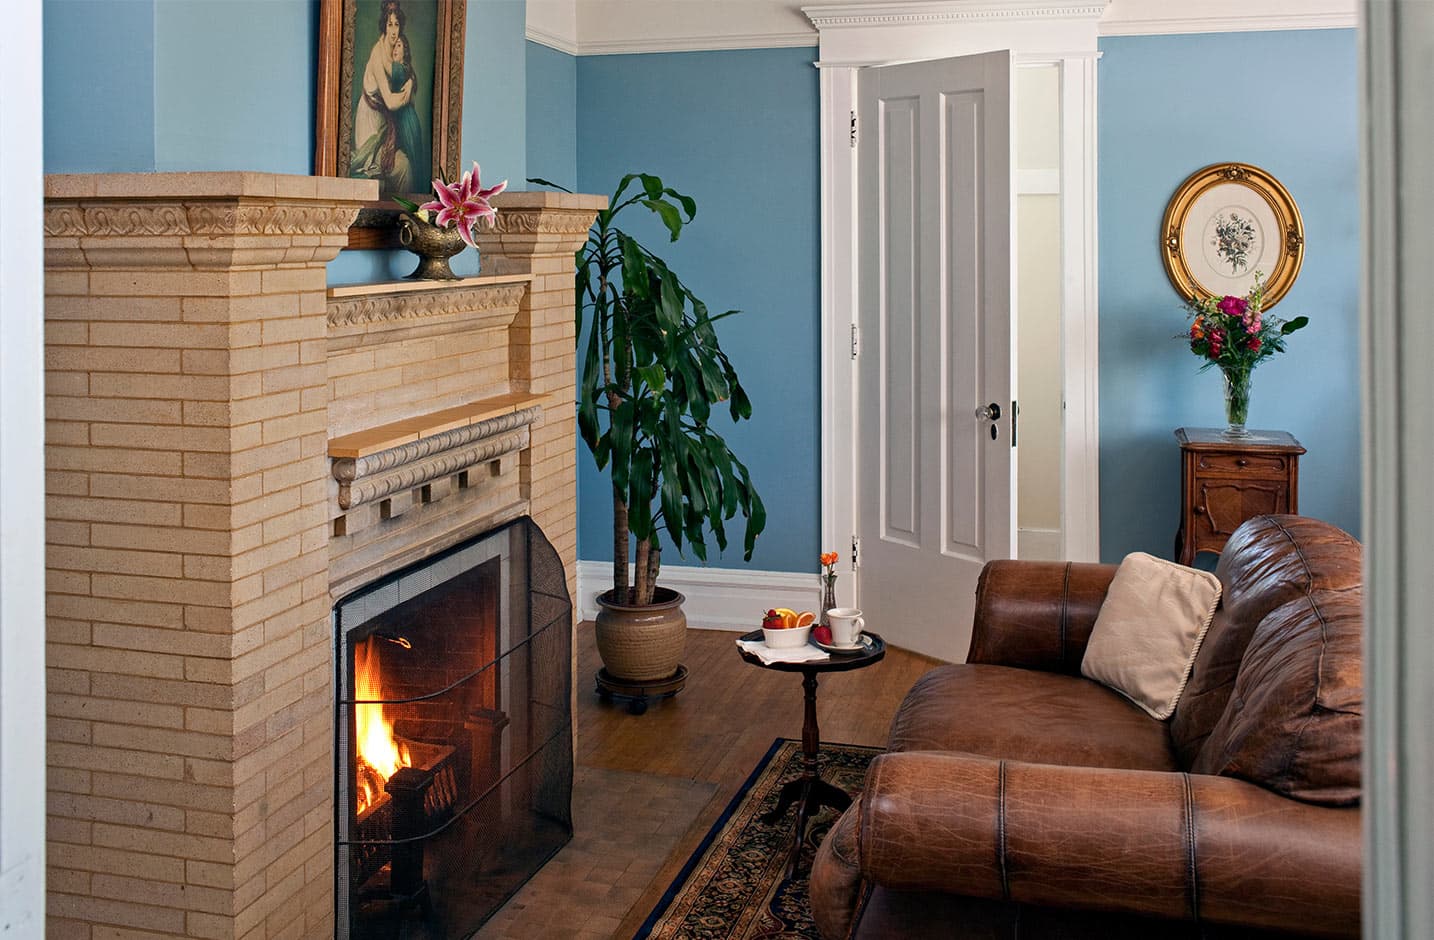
722	723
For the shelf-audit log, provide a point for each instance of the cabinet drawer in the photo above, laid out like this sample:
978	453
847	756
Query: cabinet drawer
1243	464
1221	507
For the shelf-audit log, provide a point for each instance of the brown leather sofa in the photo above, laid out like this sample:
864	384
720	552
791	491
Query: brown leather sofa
1018	799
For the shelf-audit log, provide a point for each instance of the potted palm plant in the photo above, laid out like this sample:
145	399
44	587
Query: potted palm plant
652	375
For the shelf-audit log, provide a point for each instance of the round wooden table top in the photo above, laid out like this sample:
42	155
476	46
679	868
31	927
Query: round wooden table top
838	662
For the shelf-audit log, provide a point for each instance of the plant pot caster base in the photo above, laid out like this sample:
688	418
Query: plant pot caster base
638	694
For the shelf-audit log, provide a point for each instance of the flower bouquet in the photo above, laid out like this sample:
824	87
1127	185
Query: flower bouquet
828	561
442	227
1232	333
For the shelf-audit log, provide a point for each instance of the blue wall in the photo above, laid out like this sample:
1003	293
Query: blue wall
737	131
1169	105
552	115
214	107
99	86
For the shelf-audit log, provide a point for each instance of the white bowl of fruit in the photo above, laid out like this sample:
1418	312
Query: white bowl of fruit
786	629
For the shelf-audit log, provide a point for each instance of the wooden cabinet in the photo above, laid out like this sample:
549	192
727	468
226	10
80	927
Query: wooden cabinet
1224	482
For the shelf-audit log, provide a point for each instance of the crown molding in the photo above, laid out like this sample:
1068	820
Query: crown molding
1167	26
939	12
629	27
718	43
552	40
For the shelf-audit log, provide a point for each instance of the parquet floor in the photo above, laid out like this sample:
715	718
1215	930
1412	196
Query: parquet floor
648	787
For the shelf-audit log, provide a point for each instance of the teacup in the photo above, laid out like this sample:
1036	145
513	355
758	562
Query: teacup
846	624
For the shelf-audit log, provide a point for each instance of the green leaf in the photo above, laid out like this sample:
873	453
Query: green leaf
670	216
654	375
1298	323
410	206
689	205
542	182
741	407
652	186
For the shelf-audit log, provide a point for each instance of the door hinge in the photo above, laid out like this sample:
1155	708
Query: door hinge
1015	414
856	551
853	129
855	340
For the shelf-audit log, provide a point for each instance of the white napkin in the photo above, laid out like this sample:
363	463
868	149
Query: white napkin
799	654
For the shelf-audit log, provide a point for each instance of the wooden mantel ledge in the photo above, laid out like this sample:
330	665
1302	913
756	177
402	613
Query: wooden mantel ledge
404	287
371	441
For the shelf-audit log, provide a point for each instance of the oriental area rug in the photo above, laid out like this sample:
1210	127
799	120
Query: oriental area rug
734	887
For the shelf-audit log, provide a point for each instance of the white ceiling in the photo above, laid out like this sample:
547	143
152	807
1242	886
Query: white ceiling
595	27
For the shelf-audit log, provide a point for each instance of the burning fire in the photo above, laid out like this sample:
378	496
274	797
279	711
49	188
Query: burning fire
380	753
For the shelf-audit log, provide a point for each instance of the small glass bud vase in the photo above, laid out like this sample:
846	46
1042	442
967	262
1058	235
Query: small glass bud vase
828	598
1237	402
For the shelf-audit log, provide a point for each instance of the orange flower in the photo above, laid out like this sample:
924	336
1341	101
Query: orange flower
829	558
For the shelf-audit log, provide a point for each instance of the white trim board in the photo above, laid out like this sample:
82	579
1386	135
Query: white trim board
1040	545
717	598
22	479
1170	26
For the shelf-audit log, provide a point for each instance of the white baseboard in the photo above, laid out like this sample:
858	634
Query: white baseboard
717	598
1039	544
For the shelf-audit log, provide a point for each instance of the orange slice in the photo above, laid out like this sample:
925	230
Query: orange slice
806	618
789	616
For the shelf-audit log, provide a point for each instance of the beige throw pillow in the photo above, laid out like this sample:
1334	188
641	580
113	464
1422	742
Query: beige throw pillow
1149	629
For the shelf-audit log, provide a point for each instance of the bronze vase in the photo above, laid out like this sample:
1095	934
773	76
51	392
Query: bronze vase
433	245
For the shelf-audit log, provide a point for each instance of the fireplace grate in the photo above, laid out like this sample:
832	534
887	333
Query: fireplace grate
455	675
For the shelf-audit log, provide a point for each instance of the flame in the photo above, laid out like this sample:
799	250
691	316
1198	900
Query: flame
378	749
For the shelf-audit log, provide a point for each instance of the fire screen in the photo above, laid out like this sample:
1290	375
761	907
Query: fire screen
453	727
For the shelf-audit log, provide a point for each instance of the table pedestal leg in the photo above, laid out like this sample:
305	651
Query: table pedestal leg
809	791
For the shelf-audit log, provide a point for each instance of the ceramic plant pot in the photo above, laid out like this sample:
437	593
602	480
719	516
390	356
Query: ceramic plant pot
642	644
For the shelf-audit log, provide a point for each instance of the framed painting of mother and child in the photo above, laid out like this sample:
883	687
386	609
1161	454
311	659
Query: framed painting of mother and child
390	91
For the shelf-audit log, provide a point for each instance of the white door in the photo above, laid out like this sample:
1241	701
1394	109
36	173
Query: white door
936	463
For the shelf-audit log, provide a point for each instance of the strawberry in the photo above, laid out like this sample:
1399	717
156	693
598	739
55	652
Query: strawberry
773	621
822	634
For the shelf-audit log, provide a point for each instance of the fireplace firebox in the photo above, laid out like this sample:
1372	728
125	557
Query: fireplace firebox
453	736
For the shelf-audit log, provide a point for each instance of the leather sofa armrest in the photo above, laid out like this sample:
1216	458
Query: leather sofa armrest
1036	614
1172	845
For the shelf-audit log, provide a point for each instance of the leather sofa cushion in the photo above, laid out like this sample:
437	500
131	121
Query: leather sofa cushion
1267	562
1022	715
1295	717
1149	629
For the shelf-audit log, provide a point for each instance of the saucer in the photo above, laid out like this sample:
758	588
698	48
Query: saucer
863	642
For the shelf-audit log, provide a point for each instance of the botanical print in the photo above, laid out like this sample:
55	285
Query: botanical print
393	93
1234	239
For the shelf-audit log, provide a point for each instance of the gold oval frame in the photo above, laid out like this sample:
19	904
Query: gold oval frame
1287	214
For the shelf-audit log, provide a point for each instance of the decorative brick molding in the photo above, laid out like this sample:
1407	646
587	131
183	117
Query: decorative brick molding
390	308
197	369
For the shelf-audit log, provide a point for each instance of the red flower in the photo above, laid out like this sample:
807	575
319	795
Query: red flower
1233	306
1254	344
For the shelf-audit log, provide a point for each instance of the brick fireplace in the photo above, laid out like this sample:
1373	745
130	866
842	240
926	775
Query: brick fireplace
232	446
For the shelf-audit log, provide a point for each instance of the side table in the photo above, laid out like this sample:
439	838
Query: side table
809	791
1225	481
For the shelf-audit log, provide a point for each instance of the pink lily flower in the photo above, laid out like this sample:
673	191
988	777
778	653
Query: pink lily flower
463	204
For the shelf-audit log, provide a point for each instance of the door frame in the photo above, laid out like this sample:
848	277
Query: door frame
1063	34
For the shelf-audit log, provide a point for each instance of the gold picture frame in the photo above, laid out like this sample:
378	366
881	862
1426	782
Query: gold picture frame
1226	222
429	122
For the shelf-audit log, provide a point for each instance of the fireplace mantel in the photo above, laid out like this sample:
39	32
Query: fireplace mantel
198	368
